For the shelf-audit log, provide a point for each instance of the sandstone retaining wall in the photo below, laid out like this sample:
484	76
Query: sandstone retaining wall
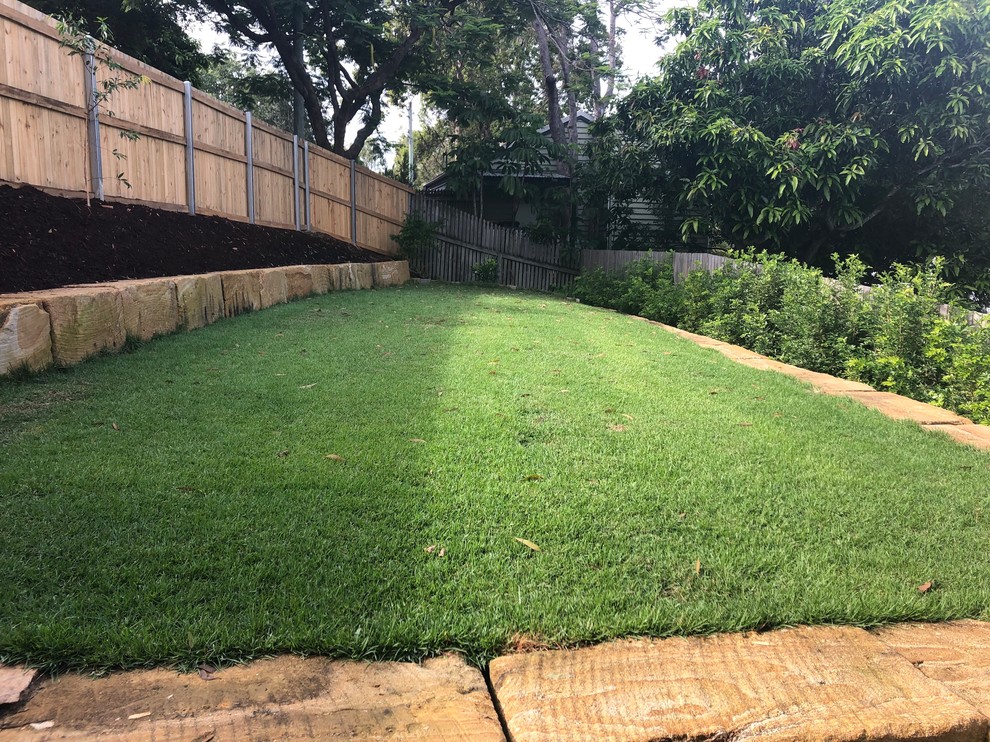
66	326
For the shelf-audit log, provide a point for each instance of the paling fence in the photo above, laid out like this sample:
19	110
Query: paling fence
684	262
465	241
192	152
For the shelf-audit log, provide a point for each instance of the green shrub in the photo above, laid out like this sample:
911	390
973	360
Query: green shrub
486	271
416	237
891	335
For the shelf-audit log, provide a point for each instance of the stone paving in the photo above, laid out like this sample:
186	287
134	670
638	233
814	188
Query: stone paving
904	682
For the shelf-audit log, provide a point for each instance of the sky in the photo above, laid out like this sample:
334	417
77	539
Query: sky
639	56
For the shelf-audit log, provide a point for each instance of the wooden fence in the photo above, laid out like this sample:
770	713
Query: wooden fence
465	241
684	262
192	152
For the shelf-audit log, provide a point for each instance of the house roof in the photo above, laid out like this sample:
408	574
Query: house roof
439	183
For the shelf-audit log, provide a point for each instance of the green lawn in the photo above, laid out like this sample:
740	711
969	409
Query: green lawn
176	504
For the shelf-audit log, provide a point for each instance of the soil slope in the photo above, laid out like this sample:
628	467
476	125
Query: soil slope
48	241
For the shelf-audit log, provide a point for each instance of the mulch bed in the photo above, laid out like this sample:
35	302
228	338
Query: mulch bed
47	241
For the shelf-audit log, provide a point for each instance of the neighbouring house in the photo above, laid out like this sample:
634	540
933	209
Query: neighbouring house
637	225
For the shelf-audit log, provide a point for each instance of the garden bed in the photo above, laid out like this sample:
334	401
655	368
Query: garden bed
47	241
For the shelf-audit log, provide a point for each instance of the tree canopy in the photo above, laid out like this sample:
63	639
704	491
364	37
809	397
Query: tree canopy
148	30
808	127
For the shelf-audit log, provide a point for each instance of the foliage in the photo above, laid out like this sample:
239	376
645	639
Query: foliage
416	236
895	335
645	287
109	74
344	59
243	83
486	271
805	127
150	31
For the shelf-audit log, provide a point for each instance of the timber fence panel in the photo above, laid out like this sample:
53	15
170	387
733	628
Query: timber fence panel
48	140
43	126
464	241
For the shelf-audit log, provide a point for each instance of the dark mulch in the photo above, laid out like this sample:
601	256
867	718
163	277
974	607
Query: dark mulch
48	241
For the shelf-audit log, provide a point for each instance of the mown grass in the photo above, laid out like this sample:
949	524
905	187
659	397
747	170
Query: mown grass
176	504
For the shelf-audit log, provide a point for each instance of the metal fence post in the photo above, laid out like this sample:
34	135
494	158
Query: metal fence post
295	176
353	205
308	210
249	149
93	122
190	149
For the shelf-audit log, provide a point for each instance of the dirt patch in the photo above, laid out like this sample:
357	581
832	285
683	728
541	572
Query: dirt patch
47	241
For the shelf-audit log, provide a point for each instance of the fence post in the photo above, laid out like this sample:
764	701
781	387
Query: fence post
353	204
249	150
295	177
93	122
190	148
308	210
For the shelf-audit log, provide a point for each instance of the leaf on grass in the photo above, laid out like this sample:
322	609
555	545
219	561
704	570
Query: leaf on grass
334	457
745	425
564	391
628	417
697	566
308	386
207	672
115	426
493	373
925	588
283	453
143	714
442	552
617	428
527	543
430	549
416	440
534	477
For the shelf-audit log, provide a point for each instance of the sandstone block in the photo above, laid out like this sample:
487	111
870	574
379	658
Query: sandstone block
150	307
321	278
85	321
903	408
956	654
14	682
300	281
288	698
200	300
968	433
341	278
796	684
390	273
25	338
363	275
241	292
274	287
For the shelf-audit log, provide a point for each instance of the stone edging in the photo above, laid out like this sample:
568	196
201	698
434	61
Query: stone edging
65	326
841	683
894	406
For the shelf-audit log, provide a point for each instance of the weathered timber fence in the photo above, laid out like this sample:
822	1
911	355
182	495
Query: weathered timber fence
192	153
464	241
684	262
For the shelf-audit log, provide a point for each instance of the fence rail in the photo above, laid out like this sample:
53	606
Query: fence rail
192	153
464	241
